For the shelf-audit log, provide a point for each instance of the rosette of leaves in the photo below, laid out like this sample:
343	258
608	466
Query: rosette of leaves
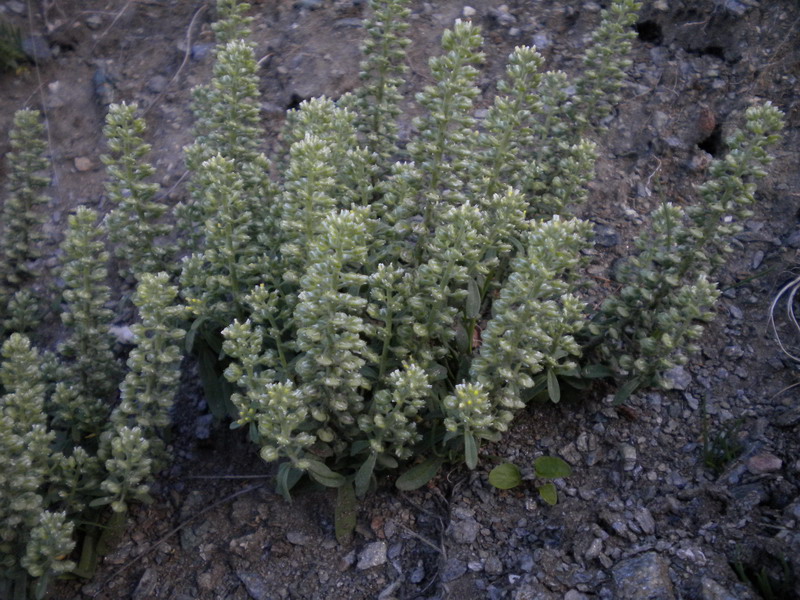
133	225
20	230
12	55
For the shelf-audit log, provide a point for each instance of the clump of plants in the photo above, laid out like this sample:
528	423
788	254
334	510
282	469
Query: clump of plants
377	306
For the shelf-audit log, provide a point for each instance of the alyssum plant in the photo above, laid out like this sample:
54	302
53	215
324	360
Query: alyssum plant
385	301
381	301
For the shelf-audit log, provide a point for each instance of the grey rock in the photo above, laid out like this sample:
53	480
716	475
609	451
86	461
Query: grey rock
94	21
758	258
714	591
200	51
493	566
541	41
202	426
373	555
677	378
503	17
417	573
308	4
157	84
644	577
645	520
793	241
736	312
256	586
628	454
298	538
464	532
16	7
575	595
526	563
37	49
146	588
764	463
453	569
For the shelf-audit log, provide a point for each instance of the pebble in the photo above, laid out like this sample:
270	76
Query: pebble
761	464
146	588
257	587
453	569
493	566
298	538
157	84
605	236
94	21
37	49
464	532
468	12
628	454
713	591
83	163
643	577
373	555
677	378
16	7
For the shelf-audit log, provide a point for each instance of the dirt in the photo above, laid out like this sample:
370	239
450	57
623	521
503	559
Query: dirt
642	504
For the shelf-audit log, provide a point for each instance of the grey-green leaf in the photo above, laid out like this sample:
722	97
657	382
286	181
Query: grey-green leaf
473	308
470	451
549	494
345	514
553	387
505	476
322	474
419	474
551	467
364	475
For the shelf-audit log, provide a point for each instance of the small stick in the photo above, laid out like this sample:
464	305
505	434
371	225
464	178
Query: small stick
186	55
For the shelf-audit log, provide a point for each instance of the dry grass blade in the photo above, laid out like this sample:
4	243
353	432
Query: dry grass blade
790	291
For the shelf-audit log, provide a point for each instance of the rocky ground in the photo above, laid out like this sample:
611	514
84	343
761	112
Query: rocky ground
688	493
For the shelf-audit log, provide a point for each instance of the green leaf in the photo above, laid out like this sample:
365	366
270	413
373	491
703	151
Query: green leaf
553	388
322	474
41	586
419	474
626	390
287	477
473	308
100	502
551	467
212	384
505	476
87	564
191	335
345	514
596	372
470	450
364	475
112	533
549	494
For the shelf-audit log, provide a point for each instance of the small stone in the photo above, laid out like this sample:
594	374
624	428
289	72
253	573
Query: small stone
83	164
758	258
453	569
464	532
37	49
541	41
417	574
605	236
94	21
200	51
146	588
575	595
645	520
373	555
764	463
308	4
628	454
16	7
202	427
157	84
595	548
298	538
793	241
643	577
493	566
736	312
257	587
714	591
468	12
677	378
